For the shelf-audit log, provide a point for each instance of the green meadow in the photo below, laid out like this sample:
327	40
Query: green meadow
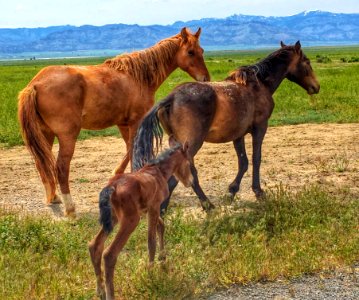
311	230
337	70
287	235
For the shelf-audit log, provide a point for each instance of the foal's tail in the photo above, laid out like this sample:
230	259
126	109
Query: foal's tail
34	138
105	208
149	135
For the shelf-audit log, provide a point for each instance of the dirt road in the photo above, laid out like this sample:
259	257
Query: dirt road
326	154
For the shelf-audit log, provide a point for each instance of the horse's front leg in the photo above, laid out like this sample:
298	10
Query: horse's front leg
258	133
240	148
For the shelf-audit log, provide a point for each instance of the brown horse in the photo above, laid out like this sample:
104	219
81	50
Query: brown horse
219	112
60	100
124	199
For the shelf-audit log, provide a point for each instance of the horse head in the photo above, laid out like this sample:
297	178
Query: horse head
300	71
190	55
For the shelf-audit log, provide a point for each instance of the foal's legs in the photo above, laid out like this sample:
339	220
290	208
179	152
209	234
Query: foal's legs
66	151
153	218
96	249
258	133
240	148
160	232
128	224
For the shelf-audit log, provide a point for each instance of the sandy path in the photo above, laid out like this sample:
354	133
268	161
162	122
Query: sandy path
296	156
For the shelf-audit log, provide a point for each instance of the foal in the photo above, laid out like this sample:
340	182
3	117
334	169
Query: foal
124	199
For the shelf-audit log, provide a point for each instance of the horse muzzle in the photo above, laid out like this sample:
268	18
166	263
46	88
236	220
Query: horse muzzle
313	89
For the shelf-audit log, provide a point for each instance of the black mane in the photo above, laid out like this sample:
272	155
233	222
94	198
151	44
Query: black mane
262	69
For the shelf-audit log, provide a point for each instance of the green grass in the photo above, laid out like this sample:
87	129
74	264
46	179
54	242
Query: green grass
287	235
338	101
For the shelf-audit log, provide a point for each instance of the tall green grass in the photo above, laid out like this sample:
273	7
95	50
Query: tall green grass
287	235
338	100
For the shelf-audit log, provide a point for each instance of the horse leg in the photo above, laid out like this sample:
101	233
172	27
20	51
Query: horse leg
128	133
172	183
128	225
258	133
122	166
66	151
239	146
205	203
153	217
160	232
96	247
51	197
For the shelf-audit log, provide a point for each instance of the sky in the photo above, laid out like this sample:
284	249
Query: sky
44	13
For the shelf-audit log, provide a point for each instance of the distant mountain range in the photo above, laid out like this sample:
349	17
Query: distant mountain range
234	32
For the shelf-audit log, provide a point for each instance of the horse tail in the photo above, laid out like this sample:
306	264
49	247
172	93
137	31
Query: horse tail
149	135
34	138
105	208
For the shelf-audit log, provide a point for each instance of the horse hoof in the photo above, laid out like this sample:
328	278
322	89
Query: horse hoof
207	206
260	194
233	189
228	198
70	212
55	200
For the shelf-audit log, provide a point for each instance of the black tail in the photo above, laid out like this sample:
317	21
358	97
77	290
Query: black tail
105	209
149	136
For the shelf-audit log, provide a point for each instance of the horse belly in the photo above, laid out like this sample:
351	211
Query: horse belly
232	120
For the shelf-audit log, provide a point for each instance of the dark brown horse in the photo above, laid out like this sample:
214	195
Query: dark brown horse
125	199
60	100
219	112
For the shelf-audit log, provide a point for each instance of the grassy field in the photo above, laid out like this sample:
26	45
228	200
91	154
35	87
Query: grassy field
285	236
337	70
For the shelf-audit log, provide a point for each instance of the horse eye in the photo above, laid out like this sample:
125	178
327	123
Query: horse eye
191	53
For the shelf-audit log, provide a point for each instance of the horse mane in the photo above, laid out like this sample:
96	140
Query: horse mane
262	69
164	155
147	66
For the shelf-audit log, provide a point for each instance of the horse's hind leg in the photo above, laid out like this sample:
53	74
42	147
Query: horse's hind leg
51	197
205	203
66	151
96	247
128	134
258	134
239	146
128	224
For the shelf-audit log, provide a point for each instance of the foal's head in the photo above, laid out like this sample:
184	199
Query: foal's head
300	71
190	56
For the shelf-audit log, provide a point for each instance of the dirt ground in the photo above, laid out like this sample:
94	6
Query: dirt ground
296	156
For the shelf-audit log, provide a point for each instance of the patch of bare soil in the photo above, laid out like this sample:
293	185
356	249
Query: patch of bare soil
296	156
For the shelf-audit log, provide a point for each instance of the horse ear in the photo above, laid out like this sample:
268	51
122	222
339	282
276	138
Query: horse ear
198	33
184	34
282	44
297	46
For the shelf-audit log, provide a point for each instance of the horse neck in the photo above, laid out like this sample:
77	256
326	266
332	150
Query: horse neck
167	65
274	74
151	66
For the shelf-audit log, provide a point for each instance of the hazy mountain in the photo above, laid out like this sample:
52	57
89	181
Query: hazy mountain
312	28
